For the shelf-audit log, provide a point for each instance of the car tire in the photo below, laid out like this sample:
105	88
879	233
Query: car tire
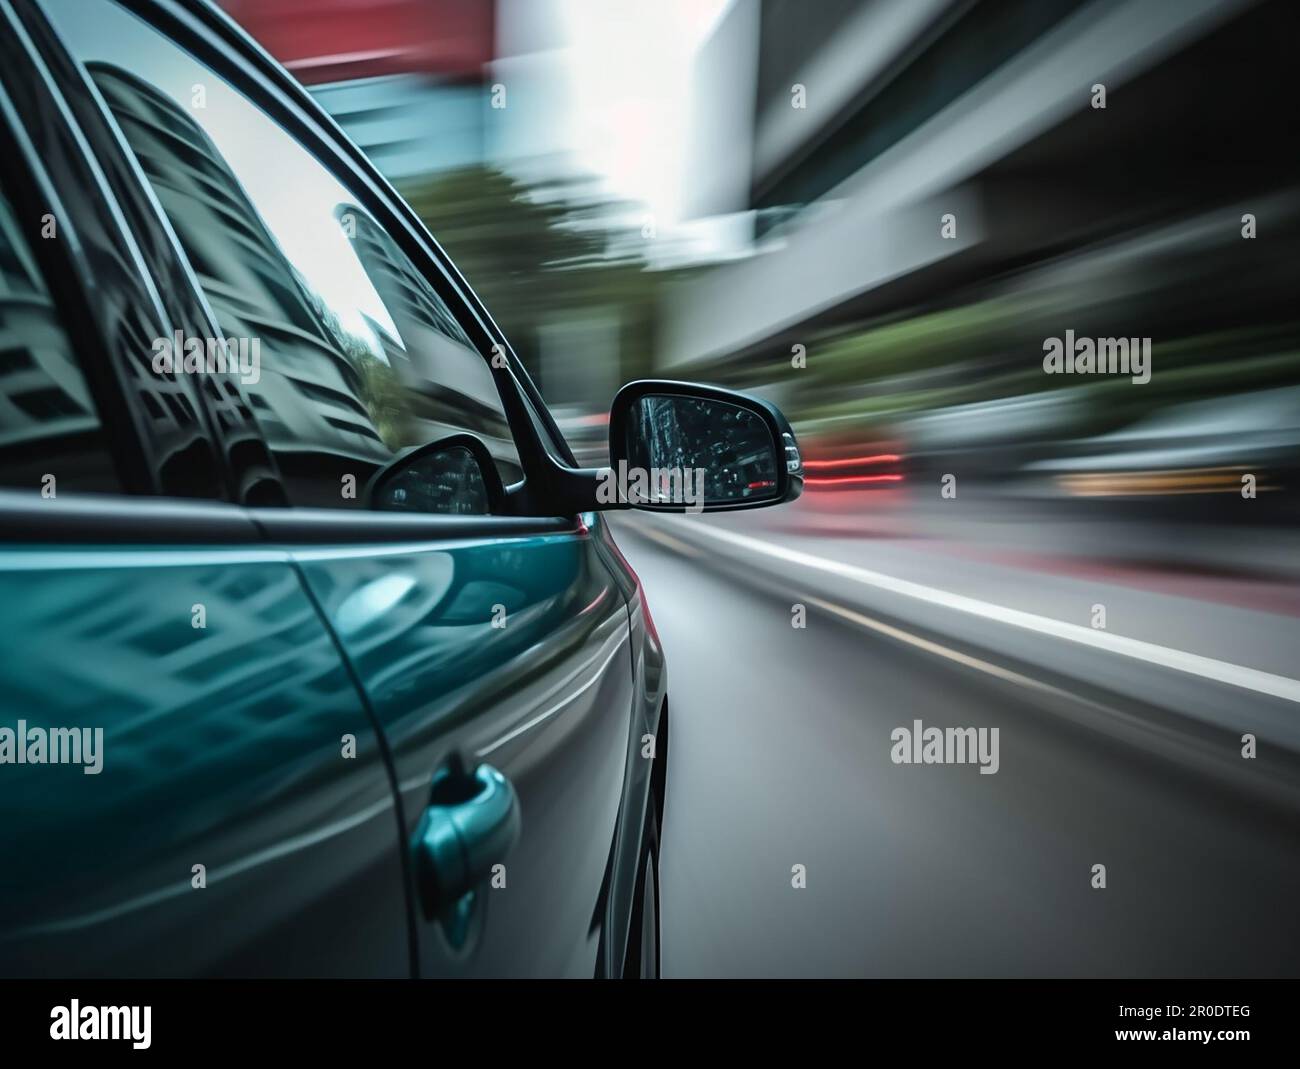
644	943
642	959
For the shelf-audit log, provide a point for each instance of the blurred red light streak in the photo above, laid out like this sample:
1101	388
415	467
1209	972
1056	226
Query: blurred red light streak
842	480
846	462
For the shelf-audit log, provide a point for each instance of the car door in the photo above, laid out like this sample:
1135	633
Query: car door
493	650
190	783
504	646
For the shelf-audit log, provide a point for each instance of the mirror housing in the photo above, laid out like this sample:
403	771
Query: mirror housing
452	476
685	447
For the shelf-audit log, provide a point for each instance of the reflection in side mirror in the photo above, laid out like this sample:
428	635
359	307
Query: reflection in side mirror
453	476
704	451
687	448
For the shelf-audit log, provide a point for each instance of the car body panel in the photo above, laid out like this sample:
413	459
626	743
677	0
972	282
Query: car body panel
513	652
224	745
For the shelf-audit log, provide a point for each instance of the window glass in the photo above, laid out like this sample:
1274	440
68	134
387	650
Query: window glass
50	436
347	353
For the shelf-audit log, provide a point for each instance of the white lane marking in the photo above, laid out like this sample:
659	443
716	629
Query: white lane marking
1161	740
934	647
1235	675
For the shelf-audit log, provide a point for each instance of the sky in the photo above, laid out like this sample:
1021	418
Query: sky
617	78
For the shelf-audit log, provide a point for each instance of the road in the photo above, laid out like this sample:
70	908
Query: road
780	756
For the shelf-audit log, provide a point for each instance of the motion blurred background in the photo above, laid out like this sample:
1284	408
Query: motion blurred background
754	193
874	212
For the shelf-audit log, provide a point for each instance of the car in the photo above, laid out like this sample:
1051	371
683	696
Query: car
319	656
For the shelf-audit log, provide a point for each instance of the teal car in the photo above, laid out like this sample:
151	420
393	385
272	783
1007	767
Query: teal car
319	658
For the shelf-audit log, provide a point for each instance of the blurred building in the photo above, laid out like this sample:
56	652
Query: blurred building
404	78
875	121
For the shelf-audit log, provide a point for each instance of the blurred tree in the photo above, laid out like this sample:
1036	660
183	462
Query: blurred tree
535	252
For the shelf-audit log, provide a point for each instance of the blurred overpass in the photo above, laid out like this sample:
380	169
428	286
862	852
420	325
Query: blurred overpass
979	109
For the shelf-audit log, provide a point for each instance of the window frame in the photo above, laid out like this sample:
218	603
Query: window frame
212	38
214	27
27	189
214	41
244	457
51	172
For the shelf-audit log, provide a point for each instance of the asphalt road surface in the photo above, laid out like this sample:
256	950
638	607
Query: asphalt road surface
781	757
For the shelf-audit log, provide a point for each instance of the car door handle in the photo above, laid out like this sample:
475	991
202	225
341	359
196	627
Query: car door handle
471	823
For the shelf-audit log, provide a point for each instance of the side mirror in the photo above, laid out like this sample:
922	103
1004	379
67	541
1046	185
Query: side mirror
453	476
683	447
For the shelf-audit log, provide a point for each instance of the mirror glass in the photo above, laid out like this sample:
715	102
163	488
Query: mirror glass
447	481
697	451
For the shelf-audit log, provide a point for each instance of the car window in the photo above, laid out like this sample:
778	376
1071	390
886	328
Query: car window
347	353
51	439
